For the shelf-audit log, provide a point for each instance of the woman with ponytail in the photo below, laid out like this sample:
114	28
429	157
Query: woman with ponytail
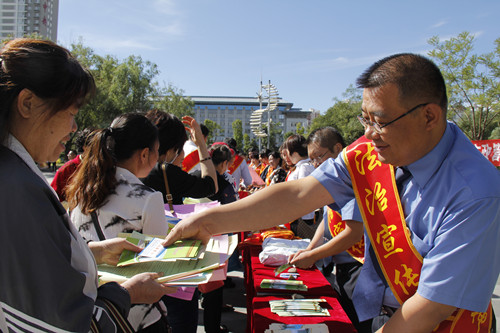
106	192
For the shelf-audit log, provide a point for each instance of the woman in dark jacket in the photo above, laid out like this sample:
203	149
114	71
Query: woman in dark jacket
182	314
172	134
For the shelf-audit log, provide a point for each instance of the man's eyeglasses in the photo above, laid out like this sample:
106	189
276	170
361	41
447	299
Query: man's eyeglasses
319	159
377	127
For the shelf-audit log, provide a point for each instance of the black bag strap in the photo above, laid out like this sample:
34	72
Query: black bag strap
97	226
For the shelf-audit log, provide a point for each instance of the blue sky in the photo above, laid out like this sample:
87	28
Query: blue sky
310	50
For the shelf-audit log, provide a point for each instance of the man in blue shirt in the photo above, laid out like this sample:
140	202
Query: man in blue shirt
451	202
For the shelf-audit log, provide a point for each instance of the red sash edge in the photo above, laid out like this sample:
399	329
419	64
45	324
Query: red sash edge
191	160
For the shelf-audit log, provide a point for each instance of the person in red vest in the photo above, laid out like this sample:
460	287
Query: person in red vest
429	201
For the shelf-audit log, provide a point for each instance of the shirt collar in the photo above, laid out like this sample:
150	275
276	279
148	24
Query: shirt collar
17	147
423	169
303	161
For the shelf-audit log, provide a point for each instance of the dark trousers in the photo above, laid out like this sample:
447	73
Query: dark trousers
182	315
345	279
212	310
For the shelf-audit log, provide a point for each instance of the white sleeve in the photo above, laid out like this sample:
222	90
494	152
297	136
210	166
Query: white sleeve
304	171
153	216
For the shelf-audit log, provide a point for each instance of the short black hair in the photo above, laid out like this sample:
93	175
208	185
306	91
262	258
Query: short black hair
204	130
220	153
171	131
418	79
326	137
296	143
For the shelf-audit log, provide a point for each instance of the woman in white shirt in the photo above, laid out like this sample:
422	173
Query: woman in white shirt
107	186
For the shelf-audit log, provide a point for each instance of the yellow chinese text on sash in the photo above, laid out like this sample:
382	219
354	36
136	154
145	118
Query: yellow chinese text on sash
336	225
379	203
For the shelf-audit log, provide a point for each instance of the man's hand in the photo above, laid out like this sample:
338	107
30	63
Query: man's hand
302	259
189	228
144	289
109	251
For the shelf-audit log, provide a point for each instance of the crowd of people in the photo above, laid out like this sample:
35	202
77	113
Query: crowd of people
403	213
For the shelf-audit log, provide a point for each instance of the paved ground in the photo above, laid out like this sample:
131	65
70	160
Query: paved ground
236	321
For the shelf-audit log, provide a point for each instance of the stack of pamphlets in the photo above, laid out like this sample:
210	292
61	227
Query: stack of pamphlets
183	211
283	284
299	307
297	328
184	263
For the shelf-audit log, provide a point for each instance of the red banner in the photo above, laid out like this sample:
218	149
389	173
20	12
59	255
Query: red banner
490	149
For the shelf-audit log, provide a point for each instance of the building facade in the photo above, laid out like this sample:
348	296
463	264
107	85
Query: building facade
225	110
24	17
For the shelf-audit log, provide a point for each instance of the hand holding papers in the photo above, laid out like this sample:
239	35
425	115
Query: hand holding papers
188	271
183	263
154	250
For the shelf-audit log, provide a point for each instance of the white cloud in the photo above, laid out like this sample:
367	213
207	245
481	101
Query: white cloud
439	24
111	44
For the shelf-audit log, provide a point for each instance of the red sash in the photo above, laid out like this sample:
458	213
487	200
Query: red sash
268	176
191	160
336	225
237	162
380	205
259	168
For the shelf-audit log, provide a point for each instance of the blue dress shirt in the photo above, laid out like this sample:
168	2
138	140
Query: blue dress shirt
452	208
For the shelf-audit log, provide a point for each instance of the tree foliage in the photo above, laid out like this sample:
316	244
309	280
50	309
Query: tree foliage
343	116
237	126
214	130
123	86
472	82
248	143
172	100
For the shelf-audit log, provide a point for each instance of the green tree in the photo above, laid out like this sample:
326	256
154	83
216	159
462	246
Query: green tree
123	86
343	116
172	100
299	129
472	82
237	126
214	129
248	143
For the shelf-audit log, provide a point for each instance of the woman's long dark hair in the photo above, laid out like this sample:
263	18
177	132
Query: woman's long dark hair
95	179
48	70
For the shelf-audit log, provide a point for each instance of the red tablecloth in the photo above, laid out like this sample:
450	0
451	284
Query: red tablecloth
316	283
262	316
259	315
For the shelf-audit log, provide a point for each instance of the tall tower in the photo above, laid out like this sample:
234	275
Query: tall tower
24	17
